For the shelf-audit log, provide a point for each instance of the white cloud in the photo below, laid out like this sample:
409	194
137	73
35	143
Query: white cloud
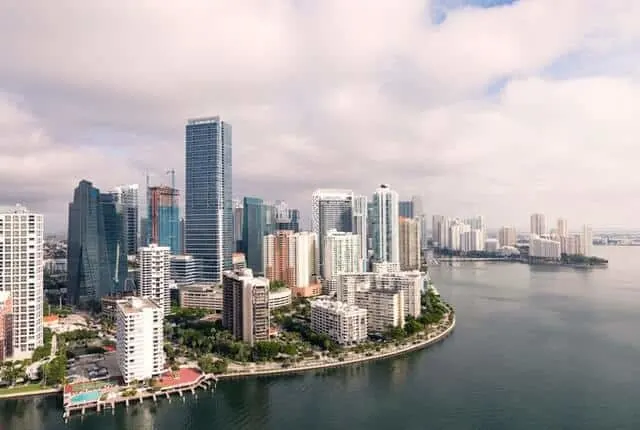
330	93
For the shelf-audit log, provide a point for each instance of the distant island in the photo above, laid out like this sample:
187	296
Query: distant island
522	256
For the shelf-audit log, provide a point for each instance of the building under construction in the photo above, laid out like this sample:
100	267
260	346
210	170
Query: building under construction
164	217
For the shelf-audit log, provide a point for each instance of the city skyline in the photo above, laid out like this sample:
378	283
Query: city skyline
549	129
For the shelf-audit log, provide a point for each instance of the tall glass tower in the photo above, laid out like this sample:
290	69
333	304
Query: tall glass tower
386	235
163	214
253	232
208	201
127	197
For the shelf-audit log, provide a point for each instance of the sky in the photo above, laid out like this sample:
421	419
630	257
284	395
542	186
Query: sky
489	107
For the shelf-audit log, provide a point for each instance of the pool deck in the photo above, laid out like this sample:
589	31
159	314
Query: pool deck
188	381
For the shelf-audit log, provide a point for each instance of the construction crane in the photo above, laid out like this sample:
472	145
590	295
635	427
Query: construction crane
172	172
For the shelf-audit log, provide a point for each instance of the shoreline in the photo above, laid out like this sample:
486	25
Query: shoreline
33	393
422	344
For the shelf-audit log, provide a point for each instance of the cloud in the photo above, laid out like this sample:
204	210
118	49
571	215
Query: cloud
499	110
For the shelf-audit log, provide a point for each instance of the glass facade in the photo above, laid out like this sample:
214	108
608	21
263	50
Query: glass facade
208	204
406	209
333	214
115	235
253	232
163	213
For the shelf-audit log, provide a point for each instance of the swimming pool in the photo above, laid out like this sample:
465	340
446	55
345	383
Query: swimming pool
89	396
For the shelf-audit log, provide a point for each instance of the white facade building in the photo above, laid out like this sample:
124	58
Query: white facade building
343	323
154	276
544	248
127	196
472	240
587	242
385	308
359	227
457	229
21	274
538	224
562	229
331	209
139	338
341	254
386	230
279	299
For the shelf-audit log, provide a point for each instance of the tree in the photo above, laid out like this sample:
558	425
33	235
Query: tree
277	285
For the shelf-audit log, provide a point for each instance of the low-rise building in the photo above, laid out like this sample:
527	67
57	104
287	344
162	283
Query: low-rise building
6	325
139	338
202	296
343	323
279	298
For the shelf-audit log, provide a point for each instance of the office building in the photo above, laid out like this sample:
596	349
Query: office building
139	339
343	323
208	196
96	251
330	210
154	275
202	296
184	270
386	237
385	308
21	263
246	306
163	213
405	209
127	197
409	233
286	218
360	222
237	224
538	224
268	218
253	231
507	236
6	326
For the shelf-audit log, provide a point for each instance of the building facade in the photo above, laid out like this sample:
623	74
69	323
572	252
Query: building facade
253	232
405	209
21	275
139	339
409	232
163	213
385	308
154	275
127	196
386	238
542	248
184	270
359	226
538	224
201	296
208	196
507	236
6	326
341	254
246	306
330	210
343	323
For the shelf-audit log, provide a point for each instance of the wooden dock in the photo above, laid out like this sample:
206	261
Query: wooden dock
206	382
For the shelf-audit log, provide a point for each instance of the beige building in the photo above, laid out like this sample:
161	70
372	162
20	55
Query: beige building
290	257
385	308
201	296
344	323
409	243
507	236
538	224
246	305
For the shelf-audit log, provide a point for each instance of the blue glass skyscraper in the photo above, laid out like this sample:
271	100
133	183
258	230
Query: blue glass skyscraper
163	214
208	201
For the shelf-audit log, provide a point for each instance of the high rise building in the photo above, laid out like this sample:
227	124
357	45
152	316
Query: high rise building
139	339
418	212
127	197
289	257
386	239
409	243
208	202
405	209
286	218
154	275
269	218
6	325
253	233
385	308
507	236
330	210
359	225
144	231
246	305
562	228
541	248
341	254
538	224
587	242
96	253
163	214
22	267
237	224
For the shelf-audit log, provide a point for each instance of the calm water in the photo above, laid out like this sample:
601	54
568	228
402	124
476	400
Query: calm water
533	349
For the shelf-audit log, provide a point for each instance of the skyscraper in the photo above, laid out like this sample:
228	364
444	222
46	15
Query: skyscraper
237	224
331	210
91	257
563	228
418	212
409	243
538	224
154	275
286	218
405	209
163	214
246	306
127	197
253	233
208	203
22	261
386	245
359	227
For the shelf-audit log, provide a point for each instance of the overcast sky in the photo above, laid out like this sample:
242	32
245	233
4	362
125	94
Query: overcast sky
501	111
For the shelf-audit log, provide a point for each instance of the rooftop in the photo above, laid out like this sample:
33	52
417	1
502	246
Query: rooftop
136	304
334	305
203	120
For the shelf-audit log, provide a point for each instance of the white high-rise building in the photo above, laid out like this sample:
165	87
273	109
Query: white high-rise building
440	231
360	210
457	229
341	254
154	275
330	210
472	239
587	242
544	248
127	196
562	228
21	274
344	323
139	338
538	224
386	235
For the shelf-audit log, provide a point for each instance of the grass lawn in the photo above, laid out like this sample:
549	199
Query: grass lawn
27	388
